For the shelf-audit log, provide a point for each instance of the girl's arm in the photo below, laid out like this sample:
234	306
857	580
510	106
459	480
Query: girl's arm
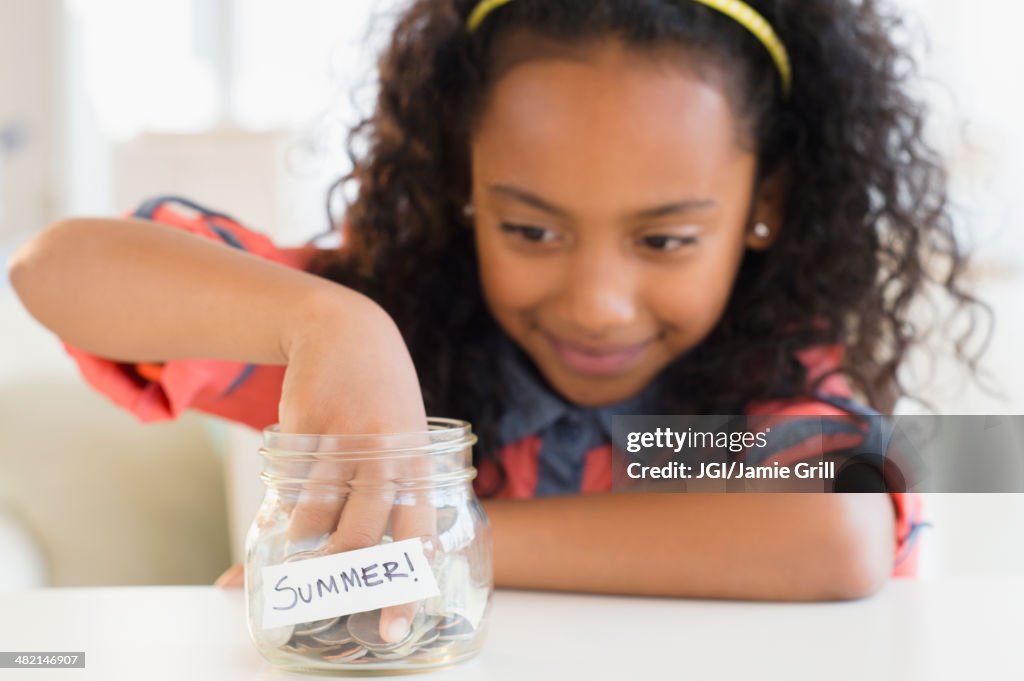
791	547
137	291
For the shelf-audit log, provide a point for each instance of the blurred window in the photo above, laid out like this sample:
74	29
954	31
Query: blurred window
177	66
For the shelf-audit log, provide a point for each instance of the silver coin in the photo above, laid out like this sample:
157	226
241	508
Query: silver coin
455	627
405	650
365	628
451	622
423	623
311	628
422	630
429	637
437	644
446	518
344	653
387	656
433	652
335	635
300	647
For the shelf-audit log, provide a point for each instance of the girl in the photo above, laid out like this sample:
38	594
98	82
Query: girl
568	210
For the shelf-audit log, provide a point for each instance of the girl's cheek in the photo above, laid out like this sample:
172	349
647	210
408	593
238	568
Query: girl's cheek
692	299
512	282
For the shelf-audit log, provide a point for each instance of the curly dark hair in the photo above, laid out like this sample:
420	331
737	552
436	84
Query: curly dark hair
866	231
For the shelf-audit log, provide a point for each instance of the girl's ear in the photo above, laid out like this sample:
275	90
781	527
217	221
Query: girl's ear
768	210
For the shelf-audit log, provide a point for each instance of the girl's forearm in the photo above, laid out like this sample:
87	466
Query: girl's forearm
742	546
137	291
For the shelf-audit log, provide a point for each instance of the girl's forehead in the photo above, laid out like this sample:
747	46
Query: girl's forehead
607	115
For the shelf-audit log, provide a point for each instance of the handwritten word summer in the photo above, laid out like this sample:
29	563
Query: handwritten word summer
365	577
337	584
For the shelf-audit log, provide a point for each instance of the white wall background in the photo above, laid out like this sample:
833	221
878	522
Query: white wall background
255	95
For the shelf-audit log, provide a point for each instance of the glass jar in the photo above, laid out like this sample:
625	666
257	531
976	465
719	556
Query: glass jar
369	552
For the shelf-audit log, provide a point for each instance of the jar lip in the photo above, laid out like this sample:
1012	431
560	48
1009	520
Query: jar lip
435	426
441	432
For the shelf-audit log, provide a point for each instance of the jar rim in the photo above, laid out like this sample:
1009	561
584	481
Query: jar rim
440	432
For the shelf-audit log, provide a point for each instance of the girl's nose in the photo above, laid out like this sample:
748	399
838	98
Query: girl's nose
600	297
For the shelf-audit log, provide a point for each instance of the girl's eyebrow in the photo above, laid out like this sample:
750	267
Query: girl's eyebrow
523	196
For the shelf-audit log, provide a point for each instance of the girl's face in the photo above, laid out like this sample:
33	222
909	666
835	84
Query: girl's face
613	204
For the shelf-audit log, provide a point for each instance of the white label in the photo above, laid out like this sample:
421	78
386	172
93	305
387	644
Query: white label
344	583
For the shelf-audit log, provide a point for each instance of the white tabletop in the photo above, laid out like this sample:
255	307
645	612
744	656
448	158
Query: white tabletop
955	628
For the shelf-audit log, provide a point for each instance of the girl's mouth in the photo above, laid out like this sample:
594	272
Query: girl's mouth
597	360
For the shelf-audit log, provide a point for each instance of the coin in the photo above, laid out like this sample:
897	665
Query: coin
300	647
388	656
455	627
419	633
312	628
356	639
365	628
429	637
446	518
344	653
434	652
437	646
335	635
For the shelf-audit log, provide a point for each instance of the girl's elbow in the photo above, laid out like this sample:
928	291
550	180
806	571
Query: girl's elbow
21	265
860	578
32	261
862	555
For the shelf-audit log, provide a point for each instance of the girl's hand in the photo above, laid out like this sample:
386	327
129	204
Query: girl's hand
232	578
349	372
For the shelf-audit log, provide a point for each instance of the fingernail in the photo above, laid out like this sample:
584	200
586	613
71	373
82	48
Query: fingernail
397	630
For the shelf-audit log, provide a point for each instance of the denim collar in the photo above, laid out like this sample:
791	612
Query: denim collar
531	406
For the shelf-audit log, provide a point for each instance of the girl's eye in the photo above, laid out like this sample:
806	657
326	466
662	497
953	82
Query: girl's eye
665	242
529	233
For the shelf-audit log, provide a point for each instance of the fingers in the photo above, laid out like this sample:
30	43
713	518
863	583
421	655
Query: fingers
319	505
411	516
233	577
367	508
395	621
363	523
415	516
359	517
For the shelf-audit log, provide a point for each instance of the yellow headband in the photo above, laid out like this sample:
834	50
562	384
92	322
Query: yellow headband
737	10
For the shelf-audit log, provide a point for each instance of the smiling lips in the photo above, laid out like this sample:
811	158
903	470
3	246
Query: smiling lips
597	360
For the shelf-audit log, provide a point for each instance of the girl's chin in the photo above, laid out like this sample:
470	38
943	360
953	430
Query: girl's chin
594	391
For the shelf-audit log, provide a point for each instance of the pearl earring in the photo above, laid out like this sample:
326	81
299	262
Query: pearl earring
468	210
762	231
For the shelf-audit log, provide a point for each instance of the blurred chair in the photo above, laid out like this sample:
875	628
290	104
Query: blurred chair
24	566
88	495
111	501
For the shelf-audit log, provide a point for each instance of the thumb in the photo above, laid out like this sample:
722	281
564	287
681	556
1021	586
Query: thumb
396	620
